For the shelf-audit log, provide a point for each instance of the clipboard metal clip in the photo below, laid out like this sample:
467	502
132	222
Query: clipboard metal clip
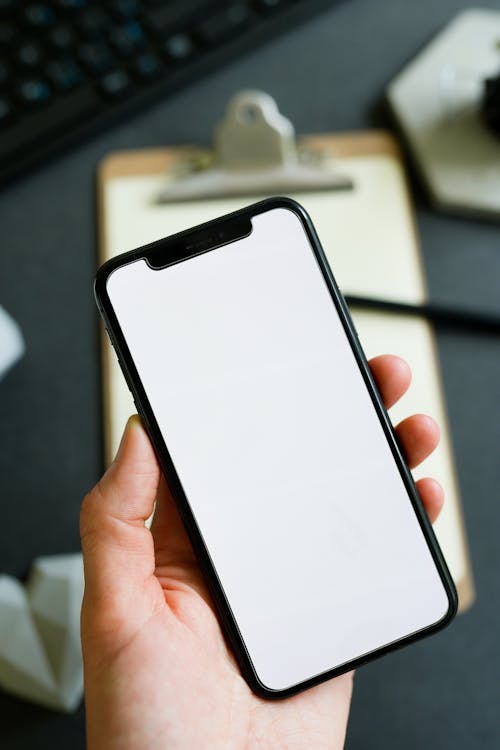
254	153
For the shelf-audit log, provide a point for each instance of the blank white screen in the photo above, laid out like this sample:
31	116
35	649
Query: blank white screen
279	450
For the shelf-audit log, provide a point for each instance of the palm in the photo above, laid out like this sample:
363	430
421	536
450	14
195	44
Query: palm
182	645
158	671
228	713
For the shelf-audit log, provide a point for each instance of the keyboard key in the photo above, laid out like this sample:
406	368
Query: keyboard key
147	66
34	92
39	15
225	23
178	47
125	8
96	57
29	55
115	84
62	37
92	22
64	74
127	38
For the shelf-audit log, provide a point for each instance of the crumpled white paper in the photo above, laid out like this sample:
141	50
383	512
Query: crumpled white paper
40	654
11	342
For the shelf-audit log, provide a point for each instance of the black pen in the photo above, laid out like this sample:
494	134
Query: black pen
440	315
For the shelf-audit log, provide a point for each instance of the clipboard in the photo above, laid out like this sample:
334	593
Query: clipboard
354	187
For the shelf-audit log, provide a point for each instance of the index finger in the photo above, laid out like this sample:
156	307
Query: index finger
392	376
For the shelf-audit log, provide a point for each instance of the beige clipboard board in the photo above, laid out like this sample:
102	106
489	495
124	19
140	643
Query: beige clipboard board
370	239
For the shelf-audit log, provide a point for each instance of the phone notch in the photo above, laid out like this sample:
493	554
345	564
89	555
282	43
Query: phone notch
201	240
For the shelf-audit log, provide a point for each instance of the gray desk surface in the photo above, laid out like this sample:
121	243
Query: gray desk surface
327	75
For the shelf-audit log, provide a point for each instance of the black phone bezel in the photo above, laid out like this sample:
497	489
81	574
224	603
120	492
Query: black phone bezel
184	239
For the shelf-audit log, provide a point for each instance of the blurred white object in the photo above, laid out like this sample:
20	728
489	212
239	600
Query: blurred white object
436	99
11	342
40	655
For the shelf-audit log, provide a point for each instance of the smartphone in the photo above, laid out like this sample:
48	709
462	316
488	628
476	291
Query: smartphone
247	371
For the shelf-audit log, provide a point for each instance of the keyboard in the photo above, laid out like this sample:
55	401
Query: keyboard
71	67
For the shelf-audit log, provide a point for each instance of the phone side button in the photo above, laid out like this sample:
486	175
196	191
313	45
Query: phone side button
130	386
125	375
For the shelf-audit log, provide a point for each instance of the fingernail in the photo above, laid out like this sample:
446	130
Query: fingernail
133	421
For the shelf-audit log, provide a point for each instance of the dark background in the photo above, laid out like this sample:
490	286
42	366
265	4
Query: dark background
327	75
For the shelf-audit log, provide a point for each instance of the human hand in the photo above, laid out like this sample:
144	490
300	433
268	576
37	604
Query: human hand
158	671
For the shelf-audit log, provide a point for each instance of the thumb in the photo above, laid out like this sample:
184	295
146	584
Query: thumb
117	547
